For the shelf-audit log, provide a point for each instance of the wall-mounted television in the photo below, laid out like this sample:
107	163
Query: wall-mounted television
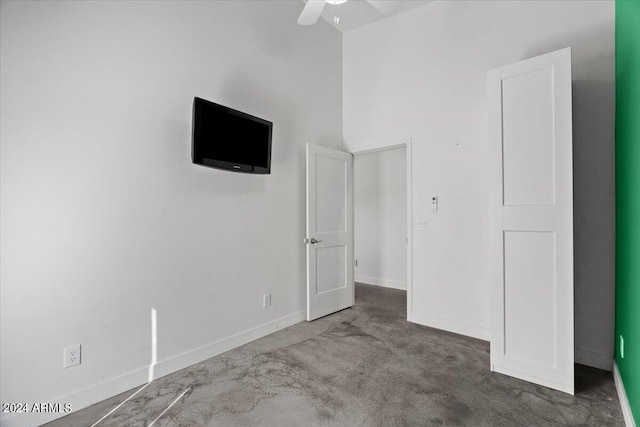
225	138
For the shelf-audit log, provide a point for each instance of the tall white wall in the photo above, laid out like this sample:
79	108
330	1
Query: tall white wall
422	74
104	216
380	205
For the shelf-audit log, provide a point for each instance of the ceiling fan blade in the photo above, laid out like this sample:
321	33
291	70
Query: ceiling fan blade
311	12
385	6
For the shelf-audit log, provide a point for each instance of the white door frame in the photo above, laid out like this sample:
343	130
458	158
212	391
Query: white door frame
390	145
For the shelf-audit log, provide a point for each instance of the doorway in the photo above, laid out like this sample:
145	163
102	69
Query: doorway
330	199
382	216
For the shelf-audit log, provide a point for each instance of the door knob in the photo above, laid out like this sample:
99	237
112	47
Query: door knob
313	240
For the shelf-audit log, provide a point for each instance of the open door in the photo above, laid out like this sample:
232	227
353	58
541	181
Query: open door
329	240
531	226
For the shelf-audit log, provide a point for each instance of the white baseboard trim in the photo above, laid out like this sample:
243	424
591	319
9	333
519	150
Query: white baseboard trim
594	359
387	283
87	396
622	396
448	325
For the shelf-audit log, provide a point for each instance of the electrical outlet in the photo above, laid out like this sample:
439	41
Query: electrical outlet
421	225
621	347
72	356
266	300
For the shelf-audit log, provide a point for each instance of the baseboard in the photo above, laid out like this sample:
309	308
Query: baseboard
448	325
387	283
594	359
87	396
622	396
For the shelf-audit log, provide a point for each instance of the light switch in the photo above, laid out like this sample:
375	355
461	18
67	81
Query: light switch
421	224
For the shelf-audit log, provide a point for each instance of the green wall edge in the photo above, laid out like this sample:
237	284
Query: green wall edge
628	198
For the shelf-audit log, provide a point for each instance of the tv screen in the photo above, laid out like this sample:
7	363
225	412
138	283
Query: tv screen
228	139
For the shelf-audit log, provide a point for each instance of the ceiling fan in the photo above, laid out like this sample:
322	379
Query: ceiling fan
313	9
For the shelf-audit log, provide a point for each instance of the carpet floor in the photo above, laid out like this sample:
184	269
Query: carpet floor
364	366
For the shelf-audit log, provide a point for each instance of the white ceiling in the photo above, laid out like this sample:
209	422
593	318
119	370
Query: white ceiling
358	13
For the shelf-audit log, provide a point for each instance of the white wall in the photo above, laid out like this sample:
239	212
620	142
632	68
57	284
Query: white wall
380	205
103	215
422	75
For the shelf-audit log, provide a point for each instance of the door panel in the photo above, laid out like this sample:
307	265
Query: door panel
330	285
528	144
530	288
331	271
531	223
331	184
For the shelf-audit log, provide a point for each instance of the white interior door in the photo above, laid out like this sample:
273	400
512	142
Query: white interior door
329	239
531	228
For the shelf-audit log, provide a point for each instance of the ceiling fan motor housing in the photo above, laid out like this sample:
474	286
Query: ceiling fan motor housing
313	9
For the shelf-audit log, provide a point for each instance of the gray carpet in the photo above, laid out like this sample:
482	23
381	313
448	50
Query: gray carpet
364	366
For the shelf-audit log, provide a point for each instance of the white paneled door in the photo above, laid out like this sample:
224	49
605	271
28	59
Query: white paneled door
329	238
530	140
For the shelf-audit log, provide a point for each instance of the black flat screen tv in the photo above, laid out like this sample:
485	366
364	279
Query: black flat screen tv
225	138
